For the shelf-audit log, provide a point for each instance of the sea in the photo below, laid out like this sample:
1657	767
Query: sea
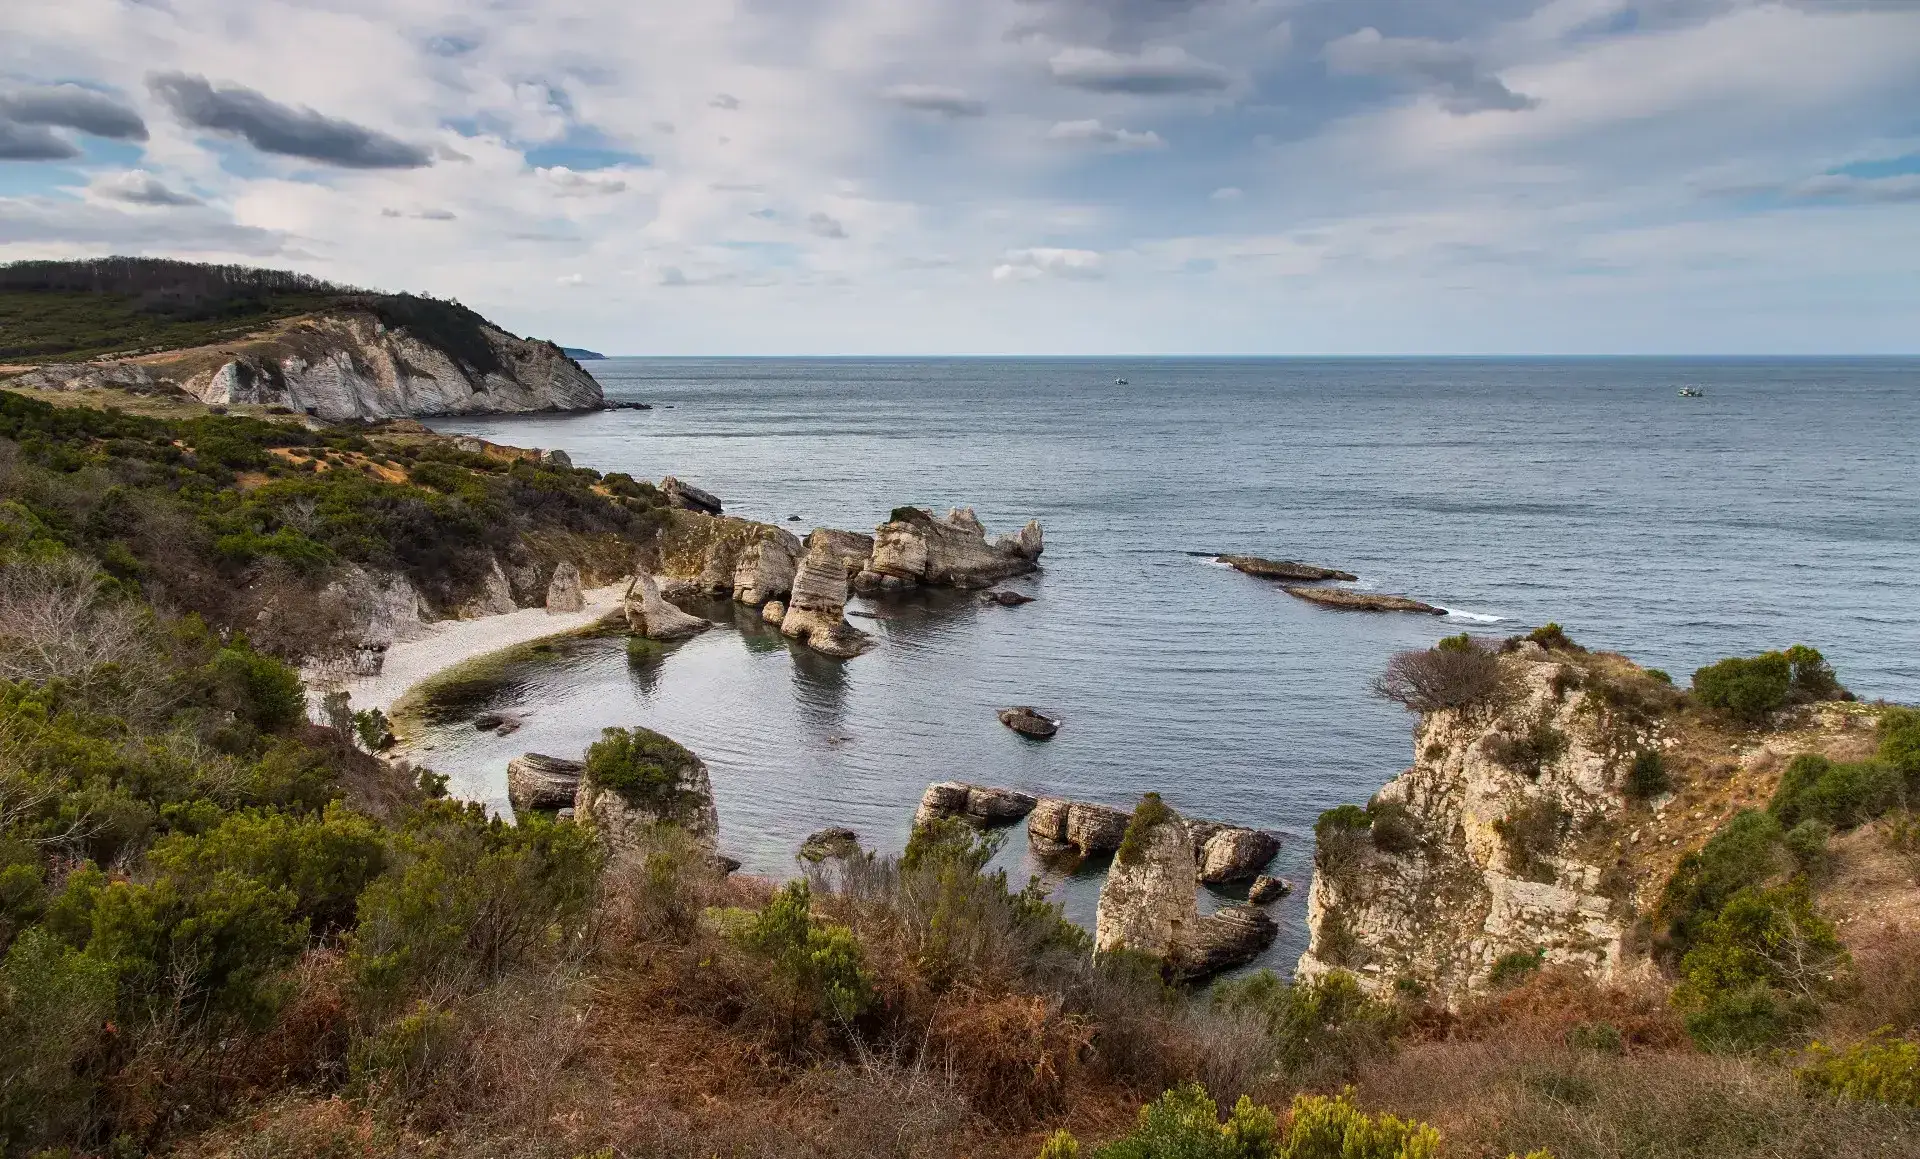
1781	506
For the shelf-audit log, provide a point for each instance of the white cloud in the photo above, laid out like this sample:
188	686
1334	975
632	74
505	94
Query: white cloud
1227	193
1027	264
1092	132
568	183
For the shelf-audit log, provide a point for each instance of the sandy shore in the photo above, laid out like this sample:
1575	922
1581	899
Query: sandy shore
446	643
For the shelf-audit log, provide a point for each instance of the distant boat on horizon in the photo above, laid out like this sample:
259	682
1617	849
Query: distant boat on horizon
1692	392
1119	382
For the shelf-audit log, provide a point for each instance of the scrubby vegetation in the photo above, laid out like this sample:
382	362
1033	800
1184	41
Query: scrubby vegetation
1748	689
60	311
1456	673
247	522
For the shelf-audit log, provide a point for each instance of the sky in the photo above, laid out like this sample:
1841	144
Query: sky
1008	176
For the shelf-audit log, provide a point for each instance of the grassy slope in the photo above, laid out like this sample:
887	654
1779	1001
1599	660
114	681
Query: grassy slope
51	326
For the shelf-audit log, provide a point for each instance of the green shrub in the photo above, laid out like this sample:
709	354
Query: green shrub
54	1006
397	1063
1529	753
1648	778
1747	851
1813	677
1757	969
471	899
325	861
260	690
1807	842
1184	1123
1339	837
817	963
644	767
1602	1037
1842	794
1151	811
1881	1070
1323	1029
1554	638
1899	731
1393	828
1660	674
1515	967
1746	689
1323	1127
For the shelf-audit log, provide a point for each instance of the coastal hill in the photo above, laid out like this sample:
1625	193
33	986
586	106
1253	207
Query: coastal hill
235	335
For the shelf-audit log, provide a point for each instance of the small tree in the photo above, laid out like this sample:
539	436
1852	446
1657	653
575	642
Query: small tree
1452	676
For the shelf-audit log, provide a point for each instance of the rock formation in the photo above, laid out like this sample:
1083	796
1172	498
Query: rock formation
653	617
563	590
78	376
622	817
687	497
1268	889
1149	902
1029	721
914	549
1230	852
975	804
495	597
1348	599
538	781
1480	858
816	612
1281	569
347	365
773	612
850	547
1058	826
1007	599
765	568
831	843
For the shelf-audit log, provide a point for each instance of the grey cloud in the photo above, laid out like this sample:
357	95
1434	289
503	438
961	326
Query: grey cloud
1096	134
672	276
1444	69
825	226
79	223
73	107
1845	187
421	214
572	183
272	127
725	101
1160	71
138	187
935	99
32	143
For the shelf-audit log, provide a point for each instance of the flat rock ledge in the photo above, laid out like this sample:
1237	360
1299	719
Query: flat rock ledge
1029	721
974	804
1268	889
1282	569
1347	599
687	497
538	781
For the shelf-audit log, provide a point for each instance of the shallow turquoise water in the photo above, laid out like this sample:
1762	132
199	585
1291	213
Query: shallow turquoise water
1782	507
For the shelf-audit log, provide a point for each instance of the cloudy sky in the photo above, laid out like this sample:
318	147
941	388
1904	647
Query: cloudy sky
1020	176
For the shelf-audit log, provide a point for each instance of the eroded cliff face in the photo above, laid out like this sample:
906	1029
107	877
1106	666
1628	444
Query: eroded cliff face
1515	832
348	365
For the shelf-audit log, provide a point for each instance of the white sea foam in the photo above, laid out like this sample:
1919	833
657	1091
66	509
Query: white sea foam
1473	617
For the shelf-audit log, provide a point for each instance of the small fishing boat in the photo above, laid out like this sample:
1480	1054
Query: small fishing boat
1692	392
1119	382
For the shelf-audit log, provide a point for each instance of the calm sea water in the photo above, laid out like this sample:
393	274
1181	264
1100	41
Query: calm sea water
1782	507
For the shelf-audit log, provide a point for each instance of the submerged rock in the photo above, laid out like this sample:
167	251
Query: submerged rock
687	497
1007	599
1351	600
1231	852
563	590
623	815
1029	721
538	781
816	613
653	617
833	842
977	804
1282	569
913	549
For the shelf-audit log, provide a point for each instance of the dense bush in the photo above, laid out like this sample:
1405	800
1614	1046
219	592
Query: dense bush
1758	969
1749	850
1843	794
1749	688
641	765
1531	751
1454	675
1515	967
1532	830
1884	1070
1184	1123
1151	811
1323	1029
1647	777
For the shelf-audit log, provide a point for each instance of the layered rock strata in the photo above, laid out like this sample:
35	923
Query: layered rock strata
538	781
563	590
1231	852
766	567
816	610
915	549
1149	903
650	615
687	497
1057	826
975	804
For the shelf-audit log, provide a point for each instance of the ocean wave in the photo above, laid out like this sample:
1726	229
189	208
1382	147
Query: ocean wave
1473	617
